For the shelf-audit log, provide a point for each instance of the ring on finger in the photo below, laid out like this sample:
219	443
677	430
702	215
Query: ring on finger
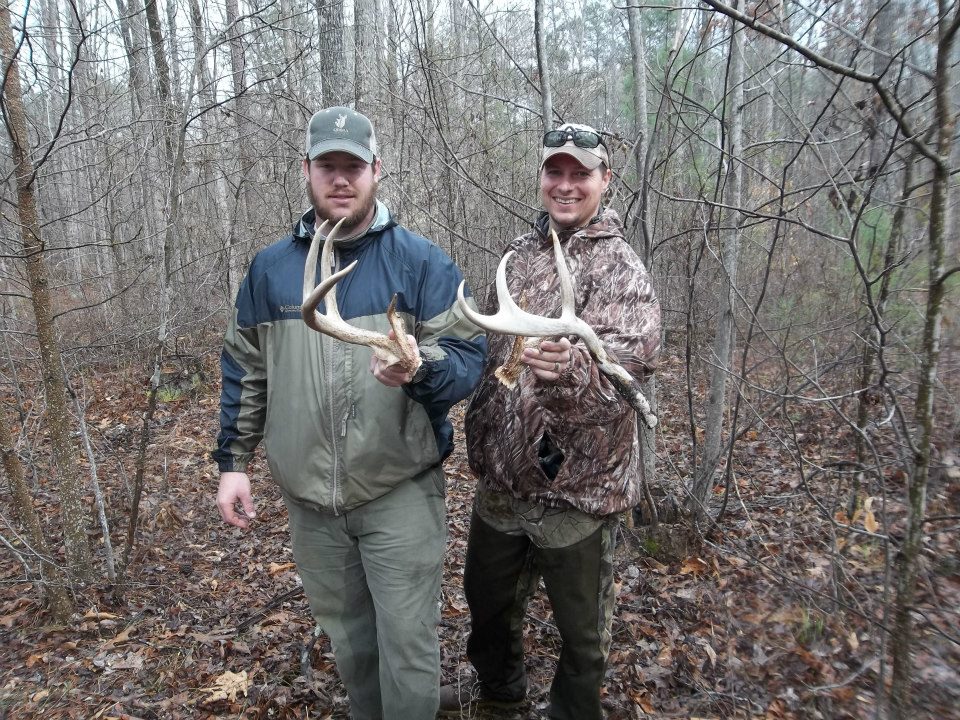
556	367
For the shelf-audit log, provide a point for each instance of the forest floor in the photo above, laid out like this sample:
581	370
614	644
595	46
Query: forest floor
776	615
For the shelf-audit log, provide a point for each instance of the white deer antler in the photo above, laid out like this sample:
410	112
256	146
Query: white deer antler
512	320
330	323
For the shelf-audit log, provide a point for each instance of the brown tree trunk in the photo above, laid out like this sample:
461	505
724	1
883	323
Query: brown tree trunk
729	251
240	224
364	58
940	229
54	586
648	437
71	492
543	65
332	60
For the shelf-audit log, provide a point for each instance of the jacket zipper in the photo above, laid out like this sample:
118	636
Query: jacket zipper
333	421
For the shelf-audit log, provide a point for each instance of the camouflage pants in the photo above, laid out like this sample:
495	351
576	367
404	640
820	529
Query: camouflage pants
503	568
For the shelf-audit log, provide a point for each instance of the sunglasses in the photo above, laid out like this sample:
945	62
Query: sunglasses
581	138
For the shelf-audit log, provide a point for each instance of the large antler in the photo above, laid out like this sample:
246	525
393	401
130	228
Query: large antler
390	351
512	320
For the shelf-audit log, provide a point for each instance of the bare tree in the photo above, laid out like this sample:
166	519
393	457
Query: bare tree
728	250
333	69
58	416
54	584
543	66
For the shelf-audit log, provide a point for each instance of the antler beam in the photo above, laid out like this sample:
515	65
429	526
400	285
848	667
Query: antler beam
510	319
330	323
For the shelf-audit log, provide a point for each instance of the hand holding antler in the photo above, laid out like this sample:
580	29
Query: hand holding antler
396	350
511	320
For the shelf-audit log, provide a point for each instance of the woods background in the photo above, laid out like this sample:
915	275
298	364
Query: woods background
786	171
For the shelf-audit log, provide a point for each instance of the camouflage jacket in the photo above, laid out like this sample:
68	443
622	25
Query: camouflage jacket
581	414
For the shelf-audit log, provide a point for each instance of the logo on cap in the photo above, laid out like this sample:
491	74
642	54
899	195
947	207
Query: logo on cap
341	122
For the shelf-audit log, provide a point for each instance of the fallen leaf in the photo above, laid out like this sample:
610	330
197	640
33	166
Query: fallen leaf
693	565
94	614
869	520
227	686
711	653
121	637
665	657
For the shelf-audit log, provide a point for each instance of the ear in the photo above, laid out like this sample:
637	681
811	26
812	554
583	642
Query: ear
606	178
376	169
305	166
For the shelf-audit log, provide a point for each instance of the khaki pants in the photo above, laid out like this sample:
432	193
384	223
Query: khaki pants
372	577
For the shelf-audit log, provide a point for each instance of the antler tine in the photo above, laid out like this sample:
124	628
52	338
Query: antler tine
313	295
511	320
331	323
310	267
568	306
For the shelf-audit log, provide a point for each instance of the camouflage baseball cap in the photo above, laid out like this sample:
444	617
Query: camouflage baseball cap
340	129
573	140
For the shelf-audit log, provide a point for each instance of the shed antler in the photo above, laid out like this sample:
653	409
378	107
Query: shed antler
512	320
390	351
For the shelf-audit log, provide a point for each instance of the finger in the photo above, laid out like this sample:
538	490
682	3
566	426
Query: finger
229	515
555	346
544	360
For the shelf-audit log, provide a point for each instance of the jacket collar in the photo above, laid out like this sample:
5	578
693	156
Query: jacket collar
605	224
304	228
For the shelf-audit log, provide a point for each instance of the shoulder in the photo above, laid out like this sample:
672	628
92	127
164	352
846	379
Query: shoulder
621	269
277	254
406	240
412	249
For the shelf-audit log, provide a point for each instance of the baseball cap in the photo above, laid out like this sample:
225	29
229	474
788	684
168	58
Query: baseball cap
572	138
341	129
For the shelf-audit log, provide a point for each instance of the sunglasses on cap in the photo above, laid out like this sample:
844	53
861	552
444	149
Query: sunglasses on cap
581	138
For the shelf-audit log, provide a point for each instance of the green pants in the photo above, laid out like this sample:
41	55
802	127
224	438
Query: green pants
372	576
502	572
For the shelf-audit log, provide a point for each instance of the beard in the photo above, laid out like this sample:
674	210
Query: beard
365	201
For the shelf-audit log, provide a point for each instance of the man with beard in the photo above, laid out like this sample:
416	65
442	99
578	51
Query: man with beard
354	444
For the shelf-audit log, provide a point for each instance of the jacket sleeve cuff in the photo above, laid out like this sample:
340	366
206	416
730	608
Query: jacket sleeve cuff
233	464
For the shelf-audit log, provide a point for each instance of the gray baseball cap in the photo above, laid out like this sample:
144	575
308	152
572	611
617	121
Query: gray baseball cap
340	129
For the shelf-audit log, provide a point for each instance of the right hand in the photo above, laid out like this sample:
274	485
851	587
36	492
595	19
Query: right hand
235	488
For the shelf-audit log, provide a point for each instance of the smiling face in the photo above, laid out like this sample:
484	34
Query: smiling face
341	185
571	193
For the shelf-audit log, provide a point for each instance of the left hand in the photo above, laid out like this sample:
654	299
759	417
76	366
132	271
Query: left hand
392	375
549	360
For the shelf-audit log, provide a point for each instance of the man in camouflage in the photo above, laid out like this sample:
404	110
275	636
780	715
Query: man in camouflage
557	456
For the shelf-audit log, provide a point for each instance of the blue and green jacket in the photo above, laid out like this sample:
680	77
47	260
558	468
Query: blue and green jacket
335	437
